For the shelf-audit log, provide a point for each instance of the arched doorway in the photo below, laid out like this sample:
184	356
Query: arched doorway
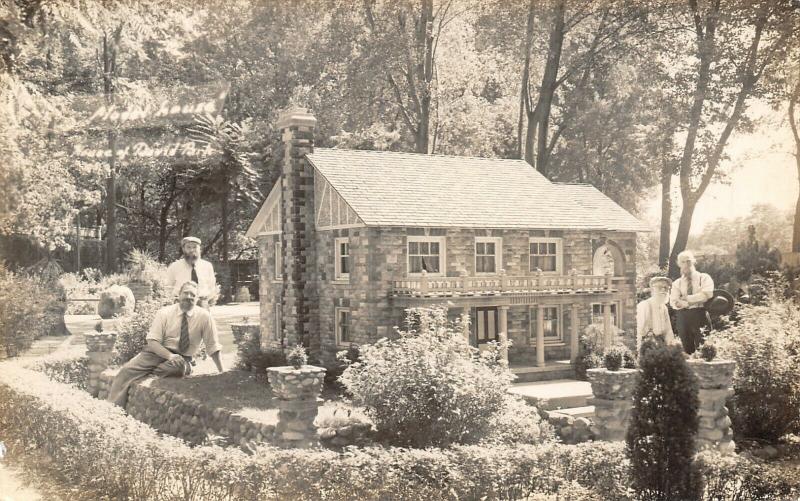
607	260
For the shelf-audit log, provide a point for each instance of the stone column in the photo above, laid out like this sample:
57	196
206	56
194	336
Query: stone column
297	391
714	380
99	350
297	224
245	332
608	336
503	334
613	401
540	336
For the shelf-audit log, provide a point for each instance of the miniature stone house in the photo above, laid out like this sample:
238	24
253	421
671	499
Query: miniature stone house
349	239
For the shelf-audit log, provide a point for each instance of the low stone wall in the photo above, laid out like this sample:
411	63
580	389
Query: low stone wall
569	429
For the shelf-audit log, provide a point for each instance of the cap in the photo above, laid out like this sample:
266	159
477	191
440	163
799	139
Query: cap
656	280
190	239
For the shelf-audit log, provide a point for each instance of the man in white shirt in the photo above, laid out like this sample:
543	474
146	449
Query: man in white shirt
688	296
173	340
191	267
652	316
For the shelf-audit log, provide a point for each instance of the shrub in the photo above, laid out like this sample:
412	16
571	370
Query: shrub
708	352
297	356
71	367
589	345
766	347
518	423
663	423
99	448
29	309
132	332
754	257
732	476
428	387
614	357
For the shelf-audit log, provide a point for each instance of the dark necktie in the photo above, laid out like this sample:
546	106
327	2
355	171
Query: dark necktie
194	276
183	343
689	288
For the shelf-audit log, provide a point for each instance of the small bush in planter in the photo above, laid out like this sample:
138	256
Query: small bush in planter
708	352
663	424
297	357
612	359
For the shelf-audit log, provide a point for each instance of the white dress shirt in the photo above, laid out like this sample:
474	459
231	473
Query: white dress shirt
702	290
166	329
180	272
653	315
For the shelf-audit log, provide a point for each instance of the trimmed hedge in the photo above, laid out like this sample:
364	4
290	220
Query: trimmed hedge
99	447
69	367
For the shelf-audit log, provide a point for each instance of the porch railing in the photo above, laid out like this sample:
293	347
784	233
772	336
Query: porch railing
425	286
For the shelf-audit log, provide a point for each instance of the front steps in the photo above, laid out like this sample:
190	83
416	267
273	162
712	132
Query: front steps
567	396
553	370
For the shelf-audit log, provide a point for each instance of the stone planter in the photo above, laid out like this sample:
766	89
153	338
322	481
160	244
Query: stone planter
714	380
140	290
99	351
613	392
297	392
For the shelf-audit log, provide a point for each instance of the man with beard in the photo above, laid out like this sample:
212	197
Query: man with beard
174	338
195	269
652	316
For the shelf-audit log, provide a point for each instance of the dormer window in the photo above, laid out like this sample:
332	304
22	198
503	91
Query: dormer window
545	254
426	254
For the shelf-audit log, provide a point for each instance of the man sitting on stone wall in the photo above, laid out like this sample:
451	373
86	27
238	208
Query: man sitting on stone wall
173	340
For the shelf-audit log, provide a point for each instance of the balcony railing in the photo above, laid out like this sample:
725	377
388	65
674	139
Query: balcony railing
424	286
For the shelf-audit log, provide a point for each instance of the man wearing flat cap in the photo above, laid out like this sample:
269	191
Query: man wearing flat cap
192	268
688	297
652	316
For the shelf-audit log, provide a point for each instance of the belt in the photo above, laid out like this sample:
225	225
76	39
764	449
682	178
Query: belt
189	360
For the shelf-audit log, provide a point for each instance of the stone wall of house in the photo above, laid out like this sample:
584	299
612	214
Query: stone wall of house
378	256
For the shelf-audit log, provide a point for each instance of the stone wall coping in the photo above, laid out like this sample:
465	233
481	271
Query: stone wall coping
715	362
603	370
287	370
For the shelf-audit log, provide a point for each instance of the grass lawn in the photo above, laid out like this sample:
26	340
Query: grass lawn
240	393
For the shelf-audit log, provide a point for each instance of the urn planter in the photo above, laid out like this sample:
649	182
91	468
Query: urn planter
613	392
714	379
297	392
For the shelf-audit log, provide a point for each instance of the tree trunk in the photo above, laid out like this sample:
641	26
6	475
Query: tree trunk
524	93
224	210
549	85
111	208
666	214
793	100
425	74
681	238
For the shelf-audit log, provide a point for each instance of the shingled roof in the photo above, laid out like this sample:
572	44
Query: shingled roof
411	189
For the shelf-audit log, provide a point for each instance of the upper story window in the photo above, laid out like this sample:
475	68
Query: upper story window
278	260
488	254
545	254
426	254
342	271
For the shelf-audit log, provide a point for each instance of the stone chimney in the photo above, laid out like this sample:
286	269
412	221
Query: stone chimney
296	126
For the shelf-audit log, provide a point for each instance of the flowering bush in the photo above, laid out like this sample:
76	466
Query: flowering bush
28	311
429	387
766	347
132	331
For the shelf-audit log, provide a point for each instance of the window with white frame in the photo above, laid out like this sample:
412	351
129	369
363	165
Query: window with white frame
545	254
552	323
278	322
488	254
342	271
597	313
278	260
343	320
426	254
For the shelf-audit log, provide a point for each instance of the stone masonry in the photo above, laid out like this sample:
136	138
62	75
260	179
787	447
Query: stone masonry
297	391
99	350
714	379
613	392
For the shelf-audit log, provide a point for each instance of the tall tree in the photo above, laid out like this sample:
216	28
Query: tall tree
733	44
794	124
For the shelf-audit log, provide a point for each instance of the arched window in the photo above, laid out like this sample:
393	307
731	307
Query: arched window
607	259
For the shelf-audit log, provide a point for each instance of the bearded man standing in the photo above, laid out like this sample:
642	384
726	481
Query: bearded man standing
192	268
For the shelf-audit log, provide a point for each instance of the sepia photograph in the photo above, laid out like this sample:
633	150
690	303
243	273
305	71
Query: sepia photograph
378	250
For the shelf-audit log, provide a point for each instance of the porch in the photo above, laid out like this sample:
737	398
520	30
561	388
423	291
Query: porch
549	313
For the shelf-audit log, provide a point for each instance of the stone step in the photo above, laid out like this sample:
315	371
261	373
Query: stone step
557	394
586	411
554	370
